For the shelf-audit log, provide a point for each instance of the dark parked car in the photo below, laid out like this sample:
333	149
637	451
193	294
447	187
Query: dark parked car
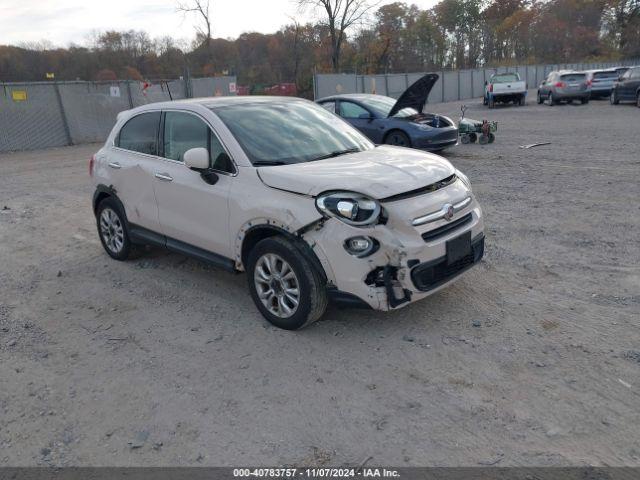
564	86
401	122
627	89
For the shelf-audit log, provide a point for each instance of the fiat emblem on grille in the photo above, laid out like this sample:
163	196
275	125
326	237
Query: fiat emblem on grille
448	211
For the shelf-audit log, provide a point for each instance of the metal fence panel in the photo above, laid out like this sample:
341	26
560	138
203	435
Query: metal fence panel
91	108
466	84
212	86
30	117
450	80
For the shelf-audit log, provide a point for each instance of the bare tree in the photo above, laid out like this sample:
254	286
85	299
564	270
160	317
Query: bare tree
340	15
201	9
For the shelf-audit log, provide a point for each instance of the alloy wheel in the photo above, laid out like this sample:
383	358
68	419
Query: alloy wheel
277	285
111	230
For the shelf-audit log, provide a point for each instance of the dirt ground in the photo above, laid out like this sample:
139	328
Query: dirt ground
532	358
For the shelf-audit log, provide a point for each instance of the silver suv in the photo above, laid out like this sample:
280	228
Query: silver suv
291	194
564	86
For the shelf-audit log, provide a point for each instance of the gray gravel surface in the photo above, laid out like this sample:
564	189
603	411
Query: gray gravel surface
530	359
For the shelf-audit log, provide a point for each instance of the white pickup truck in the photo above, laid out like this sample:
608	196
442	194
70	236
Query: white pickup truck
505	88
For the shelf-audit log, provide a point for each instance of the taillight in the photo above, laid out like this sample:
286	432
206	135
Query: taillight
561	84
92	161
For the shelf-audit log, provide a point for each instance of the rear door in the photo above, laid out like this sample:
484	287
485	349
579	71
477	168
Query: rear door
629	84
190	209
362	119
131	165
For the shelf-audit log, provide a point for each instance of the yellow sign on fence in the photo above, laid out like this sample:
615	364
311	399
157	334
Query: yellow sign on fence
19	95
50	76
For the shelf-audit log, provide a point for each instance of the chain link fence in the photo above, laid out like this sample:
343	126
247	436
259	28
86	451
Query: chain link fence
452	85
52	114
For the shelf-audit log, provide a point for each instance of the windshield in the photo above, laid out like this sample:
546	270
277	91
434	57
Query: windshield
382	106
505	78
282	133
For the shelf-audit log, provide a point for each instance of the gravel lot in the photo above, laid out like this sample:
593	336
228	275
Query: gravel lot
533	358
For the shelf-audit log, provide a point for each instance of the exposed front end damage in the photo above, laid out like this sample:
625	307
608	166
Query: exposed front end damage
411	259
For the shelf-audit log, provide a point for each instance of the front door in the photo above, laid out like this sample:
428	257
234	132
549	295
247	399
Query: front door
362	119
190	209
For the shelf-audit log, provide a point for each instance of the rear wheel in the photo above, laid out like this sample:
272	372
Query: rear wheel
112	229
285	286
638	100
539	99
465	139
396	137
473	137
484	139
492	138
550	100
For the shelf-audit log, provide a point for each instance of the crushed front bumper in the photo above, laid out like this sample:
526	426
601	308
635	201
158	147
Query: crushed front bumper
411	262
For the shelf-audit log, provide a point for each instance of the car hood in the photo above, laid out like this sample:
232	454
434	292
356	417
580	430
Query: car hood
416	95
378	173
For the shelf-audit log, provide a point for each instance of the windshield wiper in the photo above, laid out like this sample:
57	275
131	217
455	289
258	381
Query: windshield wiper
337	153
259	163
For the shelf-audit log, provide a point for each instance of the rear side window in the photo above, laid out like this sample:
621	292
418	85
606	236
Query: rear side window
573	77
505	78
184	131
140	134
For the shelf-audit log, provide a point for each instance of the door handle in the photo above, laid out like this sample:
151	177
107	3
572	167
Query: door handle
115	165
164	177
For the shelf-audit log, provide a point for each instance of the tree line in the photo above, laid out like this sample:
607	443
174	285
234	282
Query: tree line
352	35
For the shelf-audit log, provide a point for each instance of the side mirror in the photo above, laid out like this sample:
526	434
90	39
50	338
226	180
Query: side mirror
196	158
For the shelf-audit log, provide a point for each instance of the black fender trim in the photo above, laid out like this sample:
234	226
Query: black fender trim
102	189
346	299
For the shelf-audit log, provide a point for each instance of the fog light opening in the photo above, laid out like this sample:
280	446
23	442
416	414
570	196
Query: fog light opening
361	246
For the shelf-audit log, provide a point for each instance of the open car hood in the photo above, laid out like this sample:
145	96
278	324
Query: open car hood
378	173
416	95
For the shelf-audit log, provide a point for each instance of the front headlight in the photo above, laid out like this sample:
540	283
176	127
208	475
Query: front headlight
350	207
464	178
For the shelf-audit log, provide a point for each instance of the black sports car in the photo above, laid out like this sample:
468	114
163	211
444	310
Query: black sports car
401	122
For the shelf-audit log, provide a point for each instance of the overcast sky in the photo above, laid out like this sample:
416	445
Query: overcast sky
64	21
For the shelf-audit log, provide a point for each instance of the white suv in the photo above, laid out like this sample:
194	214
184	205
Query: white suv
293	195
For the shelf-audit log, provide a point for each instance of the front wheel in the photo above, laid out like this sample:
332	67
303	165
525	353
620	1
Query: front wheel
285	286
613	98
396	137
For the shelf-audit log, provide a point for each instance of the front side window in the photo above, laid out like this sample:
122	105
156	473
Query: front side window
184	131
352	110
289	131
330	106
140	134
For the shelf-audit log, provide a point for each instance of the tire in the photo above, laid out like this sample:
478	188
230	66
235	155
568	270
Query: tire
539	99
465	139
484	139
584	101
613	98
492	138
114	231
473	138
399	138
275	266
550	100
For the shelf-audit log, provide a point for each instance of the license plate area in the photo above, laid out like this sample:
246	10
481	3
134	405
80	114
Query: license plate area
458	247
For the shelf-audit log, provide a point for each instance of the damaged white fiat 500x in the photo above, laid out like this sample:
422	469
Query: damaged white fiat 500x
291	194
